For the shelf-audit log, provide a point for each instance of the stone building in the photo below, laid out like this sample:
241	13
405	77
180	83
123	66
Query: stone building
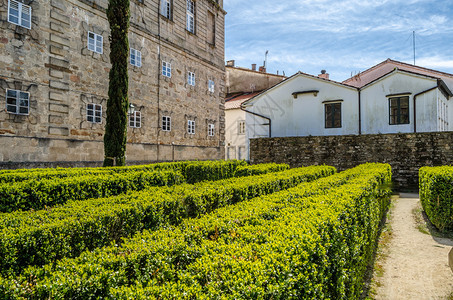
54	74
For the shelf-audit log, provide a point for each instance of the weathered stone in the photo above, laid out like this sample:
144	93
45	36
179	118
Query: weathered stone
58	4
57	27
58	50
60	108
59	63
56	96
59	39
55	119
59	131
56	74
59	17
59	85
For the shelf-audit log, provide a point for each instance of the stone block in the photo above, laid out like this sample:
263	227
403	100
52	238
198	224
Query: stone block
57	27
59	108
59	63
58	131
56	73
59	85
58	4
58	50
53	119
59	39
56	96
59	17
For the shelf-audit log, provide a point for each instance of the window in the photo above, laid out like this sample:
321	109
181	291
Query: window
165	9
17	102
19	14
166	123
333	115
191	16
211	86
241	127
94	113
166	69
399	110
211	129
136	58
191	79
191	127
135	119
95	42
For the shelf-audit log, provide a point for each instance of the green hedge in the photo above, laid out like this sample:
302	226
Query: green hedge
260	169
37	238
436	195
9	176
307	242
75	185
37	194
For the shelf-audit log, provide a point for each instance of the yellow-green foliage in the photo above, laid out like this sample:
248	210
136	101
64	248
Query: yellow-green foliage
436	195
39	237
309	242
260	169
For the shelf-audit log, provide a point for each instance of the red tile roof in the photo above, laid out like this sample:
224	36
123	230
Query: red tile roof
234	101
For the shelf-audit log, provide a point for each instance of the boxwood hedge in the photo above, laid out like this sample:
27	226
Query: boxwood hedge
295	244
436	195
40	237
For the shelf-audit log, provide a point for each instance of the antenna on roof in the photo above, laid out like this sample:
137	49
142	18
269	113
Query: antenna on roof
413	37
265	59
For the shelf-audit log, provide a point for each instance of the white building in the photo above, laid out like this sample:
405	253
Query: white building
392	97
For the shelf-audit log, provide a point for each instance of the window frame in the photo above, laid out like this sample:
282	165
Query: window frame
331	124
398	110
190	16
191	126
95	45
241	127
20	11
95	108
17	105
166	9
138	57
211	86
191	78
166	123
166	69
135	119
211	130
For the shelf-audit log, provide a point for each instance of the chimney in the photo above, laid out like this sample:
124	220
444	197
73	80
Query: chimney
230	63
262	69
324	74
253	67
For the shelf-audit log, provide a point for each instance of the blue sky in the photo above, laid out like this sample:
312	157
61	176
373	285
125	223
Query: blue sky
340	36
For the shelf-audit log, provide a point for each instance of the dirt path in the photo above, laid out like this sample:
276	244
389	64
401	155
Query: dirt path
416	266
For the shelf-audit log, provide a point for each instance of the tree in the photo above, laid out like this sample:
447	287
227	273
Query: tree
115	138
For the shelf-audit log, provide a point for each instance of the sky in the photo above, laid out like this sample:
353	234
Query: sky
340	36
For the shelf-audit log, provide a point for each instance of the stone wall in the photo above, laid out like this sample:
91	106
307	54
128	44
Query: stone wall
406	153
52	62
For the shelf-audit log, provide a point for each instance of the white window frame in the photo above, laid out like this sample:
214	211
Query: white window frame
191	78
23	14
135	119
91	113
96	42
166	69
190	126
166	123
166	8
241	127
211	86
18	104
190	12
136	57
211	129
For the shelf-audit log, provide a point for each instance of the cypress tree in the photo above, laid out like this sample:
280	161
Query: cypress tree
115	138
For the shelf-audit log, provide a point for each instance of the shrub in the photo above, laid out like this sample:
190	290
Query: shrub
436	195
260	169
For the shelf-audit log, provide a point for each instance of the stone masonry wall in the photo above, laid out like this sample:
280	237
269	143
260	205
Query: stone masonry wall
406	153
52	62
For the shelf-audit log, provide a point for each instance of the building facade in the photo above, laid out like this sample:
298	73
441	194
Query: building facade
54	75
383	100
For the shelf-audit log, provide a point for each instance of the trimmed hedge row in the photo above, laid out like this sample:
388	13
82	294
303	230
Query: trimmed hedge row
436	195
8	176
37	238
260	169
36	194
288	245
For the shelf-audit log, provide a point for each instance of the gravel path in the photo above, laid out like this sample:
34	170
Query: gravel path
417	263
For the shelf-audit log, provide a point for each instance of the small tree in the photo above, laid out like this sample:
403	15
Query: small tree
115	138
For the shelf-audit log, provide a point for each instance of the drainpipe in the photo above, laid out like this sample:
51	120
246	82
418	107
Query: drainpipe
261	116
360	112
415	106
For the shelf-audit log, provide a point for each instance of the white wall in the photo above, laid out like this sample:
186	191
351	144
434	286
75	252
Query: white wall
305	115
375	104
234	140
